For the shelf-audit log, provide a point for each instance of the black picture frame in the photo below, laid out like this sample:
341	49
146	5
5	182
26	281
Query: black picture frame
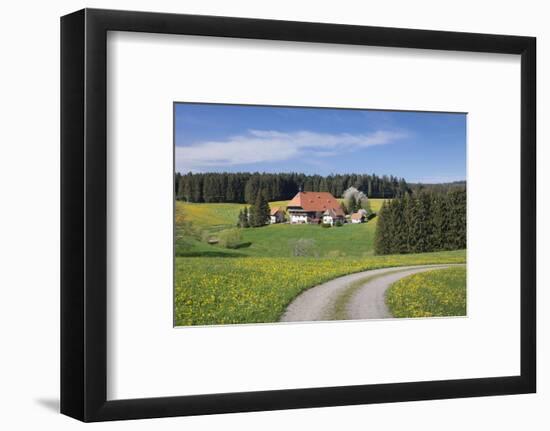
84	214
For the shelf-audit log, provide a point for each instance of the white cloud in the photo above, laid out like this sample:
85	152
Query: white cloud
261	146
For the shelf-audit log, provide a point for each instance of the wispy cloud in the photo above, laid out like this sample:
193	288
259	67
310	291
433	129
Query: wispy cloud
261	146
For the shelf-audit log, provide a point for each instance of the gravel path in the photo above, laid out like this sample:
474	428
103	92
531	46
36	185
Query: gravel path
354	296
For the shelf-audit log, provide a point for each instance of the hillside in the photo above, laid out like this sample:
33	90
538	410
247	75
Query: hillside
195	221
256	281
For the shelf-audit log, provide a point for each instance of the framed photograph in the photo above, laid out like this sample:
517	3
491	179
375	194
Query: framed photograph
262	215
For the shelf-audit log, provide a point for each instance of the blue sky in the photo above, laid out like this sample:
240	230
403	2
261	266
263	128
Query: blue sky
418	146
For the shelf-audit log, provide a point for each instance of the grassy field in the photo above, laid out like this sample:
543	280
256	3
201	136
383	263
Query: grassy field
211	216
223	290
194	220
439	292
256	281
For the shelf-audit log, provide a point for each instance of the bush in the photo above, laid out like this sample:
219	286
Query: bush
325	225
304	248
338	223
229	238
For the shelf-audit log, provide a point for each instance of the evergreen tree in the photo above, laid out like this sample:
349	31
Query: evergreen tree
243	187
243	218
184	191
426	221
457	225
208	189
440	234
240	219
252	189
399	238
383	232
412	213
246	221
196	188
177	181
252	220
230	189
261	211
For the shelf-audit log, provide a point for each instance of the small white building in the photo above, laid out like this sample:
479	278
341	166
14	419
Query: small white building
277	215
358	217
333	215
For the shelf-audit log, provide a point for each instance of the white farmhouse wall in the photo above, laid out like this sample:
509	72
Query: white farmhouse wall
328	220
298	218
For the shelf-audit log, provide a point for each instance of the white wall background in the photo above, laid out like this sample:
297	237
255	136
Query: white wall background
29	216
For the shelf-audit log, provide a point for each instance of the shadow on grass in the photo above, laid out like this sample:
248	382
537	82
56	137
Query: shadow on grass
242	245
213	253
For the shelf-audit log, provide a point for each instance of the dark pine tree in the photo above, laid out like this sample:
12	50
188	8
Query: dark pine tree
240	219
410	214
252	189
428	220
196	188
424	223
177	181
261	211
243	187
383	232
246	215
440	218
252	220
457	225
399	238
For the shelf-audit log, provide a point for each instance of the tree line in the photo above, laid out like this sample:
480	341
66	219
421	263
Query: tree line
422	222
437	187
244	187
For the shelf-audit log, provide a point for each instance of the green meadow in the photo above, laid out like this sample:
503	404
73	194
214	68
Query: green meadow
194	221
255	280
221	290
440	292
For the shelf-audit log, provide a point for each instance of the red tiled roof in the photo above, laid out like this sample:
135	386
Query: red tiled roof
316	201
275	210
357	216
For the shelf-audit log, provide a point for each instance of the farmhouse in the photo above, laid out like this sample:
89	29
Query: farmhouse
314	207
277	215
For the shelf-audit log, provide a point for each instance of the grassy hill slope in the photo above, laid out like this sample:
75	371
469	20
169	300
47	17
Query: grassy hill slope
255	282
194	220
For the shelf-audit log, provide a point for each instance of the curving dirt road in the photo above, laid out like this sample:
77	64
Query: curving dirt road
354	296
